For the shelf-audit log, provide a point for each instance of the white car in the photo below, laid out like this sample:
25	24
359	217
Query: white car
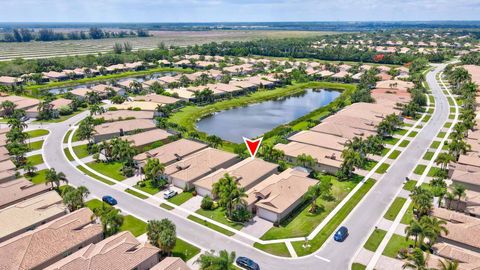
169	194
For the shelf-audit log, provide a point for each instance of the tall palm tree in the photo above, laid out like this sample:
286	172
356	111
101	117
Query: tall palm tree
54	179
414	229
111	219
443	159
229	193
435	227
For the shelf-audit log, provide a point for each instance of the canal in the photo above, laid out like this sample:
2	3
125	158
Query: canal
256	119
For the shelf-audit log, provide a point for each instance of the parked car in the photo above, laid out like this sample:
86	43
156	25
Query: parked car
247	263
341	234
169	194
109	200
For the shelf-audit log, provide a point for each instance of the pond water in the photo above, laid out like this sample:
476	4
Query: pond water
256	119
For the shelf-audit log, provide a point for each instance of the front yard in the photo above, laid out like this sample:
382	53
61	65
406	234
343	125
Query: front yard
303	222
111	169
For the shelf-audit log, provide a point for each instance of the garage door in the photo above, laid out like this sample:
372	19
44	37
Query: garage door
203	192
179	183
265	214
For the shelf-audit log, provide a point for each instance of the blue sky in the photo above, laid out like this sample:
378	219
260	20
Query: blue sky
236	11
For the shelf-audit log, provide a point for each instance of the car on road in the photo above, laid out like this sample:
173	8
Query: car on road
341	234
109	200
169	194
247	263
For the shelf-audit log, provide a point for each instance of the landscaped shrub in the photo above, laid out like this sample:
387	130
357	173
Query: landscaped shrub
65	110
113	109
207	203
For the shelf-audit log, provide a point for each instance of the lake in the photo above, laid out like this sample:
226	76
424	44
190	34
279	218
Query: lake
256	119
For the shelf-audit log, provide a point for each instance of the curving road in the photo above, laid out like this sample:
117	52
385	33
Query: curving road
332	255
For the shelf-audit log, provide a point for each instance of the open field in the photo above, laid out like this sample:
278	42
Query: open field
31	50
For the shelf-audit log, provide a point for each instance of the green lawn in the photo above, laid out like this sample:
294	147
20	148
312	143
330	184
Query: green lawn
420	169
435	144
134	225
37	133
94	176
96	203
447	125
383	168
412	134
210	225
369	165
375	239
394	208
408	216
451	116
81	151
279	249
166	206
111	169
391	140
304	222
68	154
404	143
148	188
181	198
441	134
394	154
184	250
428	156
39	177
219	216
135	193
35	159
400	131
358	266
331	226
410	185
67	135
35	145
426	118
396	243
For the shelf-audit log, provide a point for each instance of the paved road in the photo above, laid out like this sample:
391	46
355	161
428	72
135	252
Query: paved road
332	255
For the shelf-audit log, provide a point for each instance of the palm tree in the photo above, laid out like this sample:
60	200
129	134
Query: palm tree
29	168
153	169
416	260
458	190
111	219
414	229
229	193
315	191
8	107
224	261
53	178
448	265
443	159
435	227
351	159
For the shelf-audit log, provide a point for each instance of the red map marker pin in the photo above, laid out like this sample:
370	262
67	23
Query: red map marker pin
253	145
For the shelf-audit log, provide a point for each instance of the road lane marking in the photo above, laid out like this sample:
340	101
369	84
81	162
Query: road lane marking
322	258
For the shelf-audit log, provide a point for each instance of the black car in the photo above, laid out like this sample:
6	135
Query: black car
246	263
